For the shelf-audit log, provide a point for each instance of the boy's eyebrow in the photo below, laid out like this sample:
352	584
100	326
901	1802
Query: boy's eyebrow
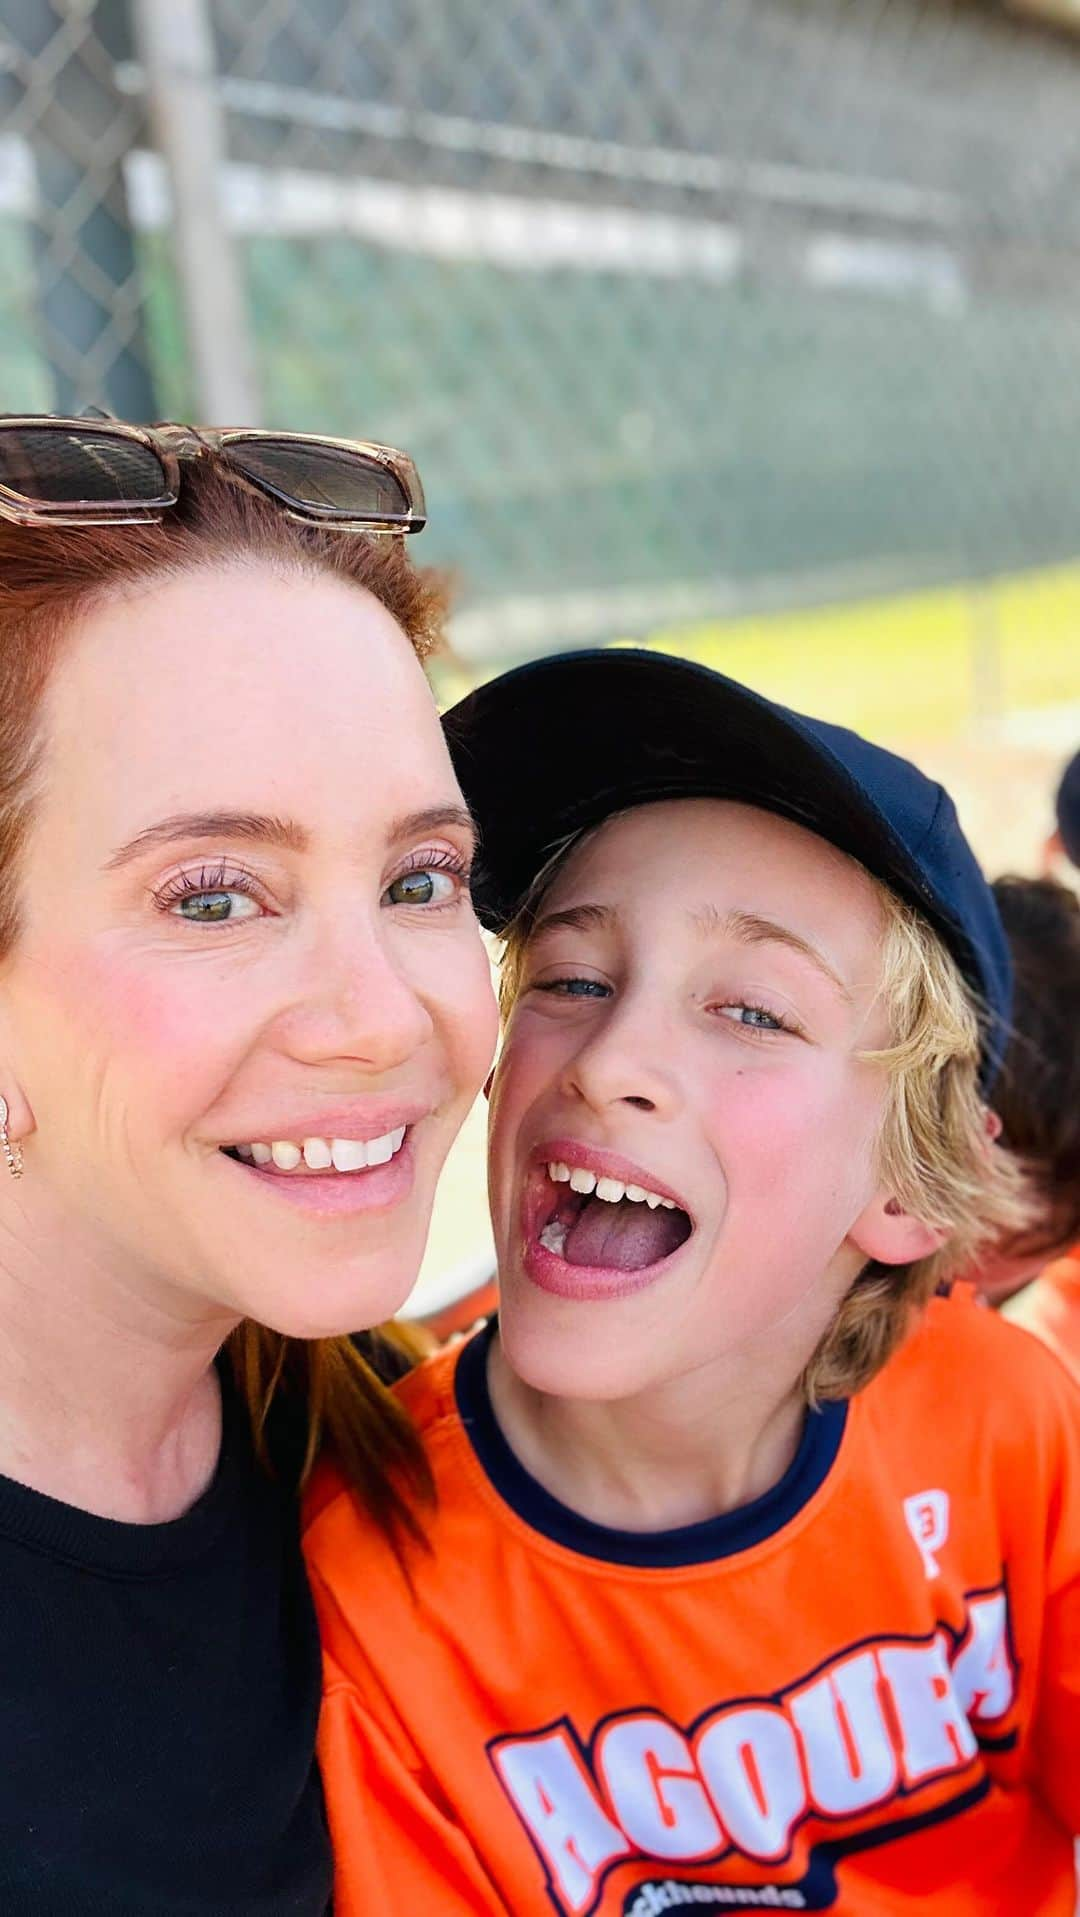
576	918
270	830
750	928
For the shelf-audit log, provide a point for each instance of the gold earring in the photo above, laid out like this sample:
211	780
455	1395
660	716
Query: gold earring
13	1153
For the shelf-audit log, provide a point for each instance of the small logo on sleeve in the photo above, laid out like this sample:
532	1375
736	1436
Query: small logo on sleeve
927	1514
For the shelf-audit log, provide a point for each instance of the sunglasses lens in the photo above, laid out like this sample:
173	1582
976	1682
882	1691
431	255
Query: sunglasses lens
56	466
326	478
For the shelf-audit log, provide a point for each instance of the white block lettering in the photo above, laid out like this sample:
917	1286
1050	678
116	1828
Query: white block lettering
750	1762
850	1759
983	1669
648	1769
552	1795
935	1734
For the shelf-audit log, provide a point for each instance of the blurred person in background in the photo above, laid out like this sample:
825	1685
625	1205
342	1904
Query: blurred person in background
244	1007
1064	841
1037	1275
1037	1094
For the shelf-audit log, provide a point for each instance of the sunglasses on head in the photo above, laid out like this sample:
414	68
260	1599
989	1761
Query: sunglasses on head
91	472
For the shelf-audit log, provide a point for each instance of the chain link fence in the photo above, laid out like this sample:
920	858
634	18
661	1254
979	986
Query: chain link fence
684	308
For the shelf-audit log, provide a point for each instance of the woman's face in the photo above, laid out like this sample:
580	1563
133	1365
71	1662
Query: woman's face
248	1006
682	1163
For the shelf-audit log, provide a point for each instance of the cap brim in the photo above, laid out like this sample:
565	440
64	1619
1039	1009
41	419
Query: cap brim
547	751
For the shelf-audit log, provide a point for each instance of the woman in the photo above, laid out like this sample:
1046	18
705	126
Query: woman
243	1009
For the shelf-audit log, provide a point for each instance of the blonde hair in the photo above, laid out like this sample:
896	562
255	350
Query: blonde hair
933	1150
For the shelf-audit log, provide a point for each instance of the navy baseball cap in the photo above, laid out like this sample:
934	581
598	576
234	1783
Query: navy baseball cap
554	747
1068	808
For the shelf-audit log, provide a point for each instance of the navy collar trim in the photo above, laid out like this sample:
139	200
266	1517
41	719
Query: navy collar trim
719	1537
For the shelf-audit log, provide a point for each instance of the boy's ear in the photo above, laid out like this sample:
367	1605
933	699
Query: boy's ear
890	1235
1053	850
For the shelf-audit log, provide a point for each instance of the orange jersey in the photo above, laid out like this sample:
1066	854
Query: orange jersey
1051	1309
860	1694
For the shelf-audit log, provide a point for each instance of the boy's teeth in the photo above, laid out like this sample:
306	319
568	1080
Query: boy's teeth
320	1154
611	1190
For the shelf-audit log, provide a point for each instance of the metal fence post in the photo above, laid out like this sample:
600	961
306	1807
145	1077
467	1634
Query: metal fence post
176	48
88	287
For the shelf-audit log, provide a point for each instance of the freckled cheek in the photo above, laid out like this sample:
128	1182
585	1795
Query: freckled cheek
526	1073
765	1126
175	1033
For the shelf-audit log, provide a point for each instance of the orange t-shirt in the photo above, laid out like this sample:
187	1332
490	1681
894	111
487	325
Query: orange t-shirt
1051	1308
860	1694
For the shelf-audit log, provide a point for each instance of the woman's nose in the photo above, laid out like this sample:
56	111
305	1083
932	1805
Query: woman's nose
357	1003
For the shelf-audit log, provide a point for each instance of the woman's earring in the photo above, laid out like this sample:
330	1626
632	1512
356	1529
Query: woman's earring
13	1153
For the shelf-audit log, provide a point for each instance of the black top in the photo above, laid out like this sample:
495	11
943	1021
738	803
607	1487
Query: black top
159	1691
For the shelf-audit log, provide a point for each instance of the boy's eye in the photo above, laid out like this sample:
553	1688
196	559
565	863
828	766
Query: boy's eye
754	1016
215	908
574	987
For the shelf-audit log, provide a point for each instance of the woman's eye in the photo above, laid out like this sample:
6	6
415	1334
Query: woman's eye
215	907
423	888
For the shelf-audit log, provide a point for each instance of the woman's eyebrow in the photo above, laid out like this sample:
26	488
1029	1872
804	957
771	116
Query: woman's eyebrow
270	830
413	825
750	928
210	825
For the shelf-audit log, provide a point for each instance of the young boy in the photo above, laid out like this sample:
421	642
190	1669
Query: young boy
744	1589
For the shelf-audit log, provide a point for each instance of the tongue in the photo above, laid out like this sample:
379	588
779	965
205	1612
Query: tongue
624	1237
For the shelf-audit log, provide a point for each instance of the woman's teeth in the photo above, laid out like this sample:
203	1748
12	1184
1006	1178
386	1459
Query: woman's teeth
609	1189
322	1154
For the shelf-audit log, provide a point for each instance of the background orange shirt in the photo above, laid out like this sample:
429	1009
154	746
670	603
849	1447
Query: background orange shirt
1051	1308
858	1694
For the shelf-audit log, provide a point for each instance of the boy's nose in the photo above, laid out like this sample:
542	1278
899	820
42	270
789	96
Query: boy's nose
625	1063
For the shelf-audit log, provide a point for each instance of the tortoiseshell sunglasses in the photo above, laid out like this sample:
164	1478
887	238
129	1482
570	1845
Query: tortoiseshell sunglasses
101	472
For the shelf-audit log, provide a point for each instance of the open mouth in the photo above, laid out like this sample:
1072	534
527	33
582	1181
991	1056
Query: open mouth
598	1222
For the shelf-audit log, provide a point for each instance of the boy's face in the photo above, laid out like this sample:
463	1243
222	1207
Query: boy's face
693	1002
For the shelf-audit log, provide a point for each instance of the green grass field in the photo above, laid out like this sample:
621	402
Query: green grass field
923	666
